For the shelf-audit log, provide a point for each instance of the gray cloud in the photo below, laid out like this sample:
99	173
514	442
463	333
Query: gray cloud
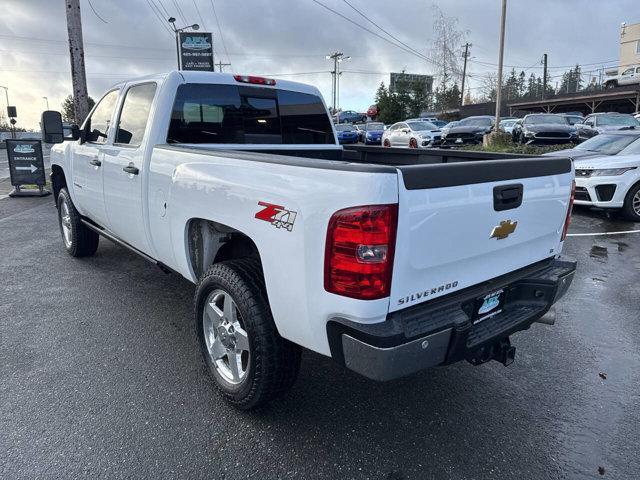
292	36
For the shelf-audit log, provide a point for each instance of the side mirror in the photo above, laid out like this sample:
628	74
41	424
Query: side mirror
75	132
51	124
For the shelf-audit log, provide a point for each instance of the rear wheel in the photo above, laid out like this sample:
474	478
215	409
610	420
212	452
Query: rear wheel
249	361
631	207
79	241
413	143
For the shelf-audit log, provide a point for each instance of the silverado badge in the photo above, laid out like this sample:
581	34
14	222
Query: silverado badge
503	230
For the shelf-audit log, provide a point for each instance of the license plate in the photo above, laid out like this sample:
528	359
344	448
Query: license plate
458	140
488	306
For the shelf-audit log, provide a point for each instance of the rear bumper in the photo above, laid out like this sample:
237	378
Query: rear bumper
442	332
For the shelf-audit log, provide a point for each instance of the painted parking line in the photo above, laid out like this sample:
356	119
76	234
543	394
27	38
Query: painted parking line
601	234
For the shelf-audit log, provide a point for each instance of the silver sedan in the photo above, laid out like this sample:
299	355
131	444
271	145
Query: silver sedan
412	134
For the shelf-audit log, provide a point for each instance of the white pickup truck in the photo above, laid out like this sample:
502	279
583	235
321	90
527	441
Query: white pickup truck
387	260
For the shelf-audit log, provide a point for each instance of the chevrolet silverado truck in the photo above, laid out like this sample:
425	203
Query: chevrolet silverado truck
385	261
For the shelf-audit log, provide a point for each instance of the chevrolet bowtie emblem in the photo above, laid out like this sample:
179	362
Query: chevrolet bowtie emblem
503	230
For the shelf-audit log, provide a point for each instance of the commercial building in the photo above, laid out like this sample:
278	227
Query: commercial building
629	45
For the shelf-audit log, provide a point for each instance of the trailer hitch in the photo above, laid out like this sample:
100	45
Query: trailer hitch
501	351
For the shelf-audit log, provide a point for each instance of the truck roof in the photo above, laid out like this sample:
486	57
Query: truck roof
220	79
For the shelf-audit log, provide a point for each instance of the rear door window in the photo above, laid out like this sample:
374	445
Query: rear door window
135	114
207	113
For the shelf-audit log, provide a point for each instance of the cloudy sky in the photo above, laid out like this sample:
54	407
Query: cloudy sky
290	38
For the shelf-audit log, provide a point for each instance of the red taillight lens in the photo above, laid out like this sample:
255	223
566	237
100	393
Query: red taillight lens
567	220
359	251
255	80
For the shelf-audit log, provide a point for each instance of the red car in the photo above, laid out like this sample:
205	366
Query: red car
372	112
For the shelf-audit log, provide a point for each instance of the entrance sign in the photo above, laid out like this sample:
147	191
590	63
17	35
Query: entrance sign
196	51
26	166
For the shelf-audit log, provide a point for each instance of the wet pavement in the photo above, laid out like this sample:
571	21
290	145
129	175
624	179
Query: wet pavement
101	377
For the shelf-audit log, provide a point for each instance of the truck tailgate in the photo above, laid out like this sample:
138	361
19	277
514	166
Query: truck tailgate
460	224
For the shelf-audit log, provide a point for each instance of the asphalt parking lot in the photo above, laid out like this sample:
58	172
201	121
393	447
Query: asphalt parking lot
101	377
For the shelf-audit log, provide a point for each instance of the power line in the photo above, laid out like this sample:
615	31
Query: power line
224	45
164	9
382	29
199	15
96	13
182	17
371	31
158	14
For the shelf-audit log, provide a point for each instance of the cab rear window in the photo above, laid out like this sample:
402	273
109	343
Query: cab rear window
207	113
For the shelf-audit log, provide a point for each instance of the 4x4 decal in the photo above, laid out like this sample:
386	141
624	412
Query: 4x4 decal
276	215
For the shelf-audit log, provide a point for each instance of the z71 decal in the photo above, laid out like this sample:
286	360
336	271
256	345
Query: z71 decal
276	215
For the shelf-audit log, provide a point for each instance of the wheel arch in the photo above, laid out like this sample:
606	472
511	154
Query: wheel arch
209	242
58	181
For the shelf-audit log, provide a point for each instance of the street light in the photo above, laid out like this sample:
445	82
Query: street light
46	101
12	121
172	21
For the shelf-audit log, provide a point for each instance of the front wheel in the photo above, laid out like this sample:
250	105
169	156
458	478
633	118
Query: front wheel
386	143
249	361
413	143
79	240
611	85
631	207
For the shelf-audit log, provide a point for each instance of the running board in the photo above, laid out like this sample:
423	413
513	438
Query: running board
104	233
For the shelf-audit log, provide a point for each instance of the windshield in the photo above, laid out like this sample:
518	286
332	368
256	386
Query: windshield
507	123
419	126
374	126
633	148
618	120
345	128
606	143
476	122
545	119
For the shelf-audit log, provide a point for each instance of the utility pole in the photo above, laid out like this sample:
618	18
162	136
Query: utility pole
337	57
465	55
220	65
46	102
545	76
76	56
500	62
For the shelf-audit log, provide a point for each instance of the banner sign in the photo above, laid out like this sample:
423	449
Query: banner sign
26	163
407	81
196	51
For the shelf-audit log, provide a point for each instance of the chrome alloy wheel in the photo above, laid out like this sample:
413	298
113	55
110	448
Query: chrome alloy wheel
225	336
65	223
635	203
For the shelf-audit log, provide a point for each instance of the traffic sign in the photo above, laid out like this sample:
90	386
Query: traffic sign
26	165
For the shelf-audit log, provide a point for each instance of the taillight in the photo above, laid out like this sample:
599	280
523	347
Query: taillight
567	220
359	251
255	80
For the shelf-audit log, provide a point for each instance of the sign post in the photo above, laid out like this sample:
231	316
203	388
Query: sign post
26	167
196	51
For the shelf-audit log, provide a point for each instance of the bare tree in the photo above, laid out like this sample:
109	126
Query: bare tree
446	47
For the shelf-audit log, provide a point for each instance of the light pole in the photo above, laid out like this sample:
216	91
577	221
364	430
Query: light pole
46	101
6	93
177	31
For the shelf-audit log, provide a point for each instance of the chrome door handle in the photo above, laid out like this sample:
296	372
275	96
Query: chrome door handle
95	162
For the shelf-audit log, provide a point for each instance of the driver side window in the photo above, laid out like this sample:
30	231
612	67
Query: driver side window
97	125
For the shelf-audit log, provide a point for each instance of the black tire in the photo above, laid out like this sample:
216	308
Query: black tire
627	209
273	362
83	242
611	85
